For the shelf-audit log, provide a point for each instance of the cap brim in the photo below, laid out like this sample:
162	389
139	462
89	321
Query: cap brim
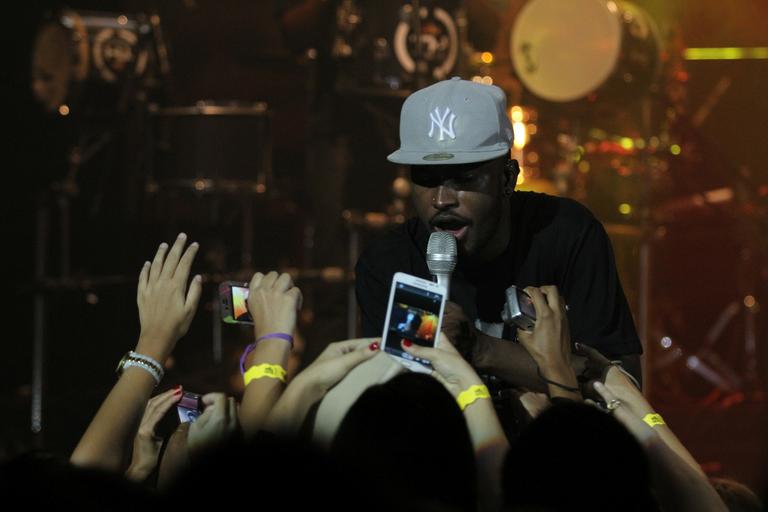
444	158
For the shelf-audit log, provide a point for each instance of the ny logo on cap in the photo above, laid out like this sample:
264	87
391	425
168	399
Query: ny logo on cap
438	121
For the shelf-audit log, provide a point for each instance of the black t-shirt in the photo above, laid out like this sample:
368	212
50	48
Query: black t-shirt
554	241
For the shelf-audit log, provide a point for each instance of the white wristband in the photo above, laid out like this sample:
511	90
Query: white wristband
144	366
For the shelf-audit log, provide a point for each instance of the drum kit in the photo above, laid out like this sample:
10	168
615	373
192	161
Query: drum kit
586	117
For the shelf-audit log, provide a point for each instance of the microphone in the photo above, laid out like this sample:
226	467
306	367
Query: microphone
441	257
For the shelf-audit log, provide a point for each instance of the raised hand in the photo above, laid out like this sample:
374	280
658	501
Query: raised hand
146	444
274	303
549	344
166	303
452	370
336	361
217	424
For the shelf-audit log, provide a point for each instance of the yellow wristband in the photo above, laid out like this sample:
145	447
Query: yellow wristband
653	419
471	394
272	371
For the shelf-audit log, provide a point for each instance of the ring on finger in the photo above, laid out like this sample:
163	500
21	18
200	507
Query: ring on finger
612	404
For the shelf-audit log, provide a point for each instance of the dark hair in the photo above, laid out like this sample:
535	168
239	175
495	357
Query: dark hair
409	440
575	457
736	496
40	480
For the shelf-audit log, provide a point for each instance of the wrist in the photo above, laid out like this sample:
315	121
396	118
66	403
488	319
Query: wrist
154	346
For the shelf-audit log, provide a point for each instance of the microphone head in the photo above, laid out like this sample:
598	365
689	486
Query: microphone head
441	253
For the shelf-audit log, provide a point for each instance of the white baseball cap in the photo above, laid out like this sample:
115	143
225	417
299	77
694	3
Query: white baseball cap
453	122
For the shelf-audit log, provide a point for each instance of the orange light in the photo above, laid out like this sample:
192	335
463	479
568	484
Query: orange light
750	301
64	110
486	57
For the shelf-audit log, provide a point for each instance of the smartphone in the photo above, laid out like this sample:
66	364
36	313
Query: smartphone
190	407
518	309
415	313
232	299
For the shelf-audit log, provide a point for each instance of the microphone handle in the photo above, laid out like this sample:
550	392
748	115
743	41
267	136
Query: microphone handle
444	280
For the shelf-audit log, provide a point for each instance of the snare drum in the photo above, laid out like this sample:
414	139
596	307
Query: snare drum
90	60
566	50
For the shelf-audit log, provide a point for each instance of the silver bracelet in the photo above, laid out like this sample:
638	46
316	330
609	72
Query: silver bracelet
148	360
144	366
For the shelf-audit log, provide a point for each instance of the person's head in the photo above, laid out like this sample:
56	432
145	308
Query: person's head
575	457
456	137
409	439
736	496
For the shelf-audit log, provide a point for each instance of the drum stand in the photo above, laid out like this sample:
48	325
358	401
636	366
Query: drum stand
62	192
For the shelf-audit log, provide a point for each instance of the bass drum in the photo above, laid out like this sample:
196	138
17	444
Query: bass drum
90	62
567	50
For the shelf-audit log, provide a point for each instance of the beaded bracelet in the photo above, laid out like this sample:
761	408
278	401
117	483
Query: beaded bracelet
144	366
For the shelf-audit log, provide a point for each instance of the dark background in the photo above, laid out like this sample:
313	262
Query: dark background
701	261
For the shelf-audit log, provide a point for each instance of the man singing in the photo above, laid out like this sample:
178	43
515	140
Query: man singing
455	136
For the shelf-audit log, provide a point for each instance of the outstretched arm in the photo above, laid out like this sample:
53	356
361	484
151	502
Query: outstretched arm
166	308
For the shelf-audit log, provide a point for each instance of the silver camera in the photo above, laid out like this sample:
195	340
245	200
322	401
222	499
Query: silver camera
518	309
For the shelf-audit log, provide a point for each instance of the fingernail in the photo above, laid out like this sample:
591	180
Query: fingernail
198	278
373	346
182	236
597	384
577	345
195	244
163	245
407	343
146	263
177	388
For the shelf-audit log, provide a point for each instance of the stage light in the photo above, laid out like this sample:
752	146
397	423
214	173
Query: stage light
486	57
675	149
750	301
520	178
625	208
726	53
666	342
64	110
487	80
627	143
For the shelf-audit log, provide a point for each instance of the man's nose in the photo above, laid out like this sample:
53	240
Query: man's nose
445	197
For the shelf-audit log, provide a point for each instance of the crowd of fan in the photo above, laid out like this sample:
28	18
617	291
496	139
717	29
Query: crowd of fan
406	444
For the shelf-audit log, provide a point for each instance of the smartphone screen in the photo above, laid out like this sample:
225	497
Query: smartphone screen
239	306
414	316
234	308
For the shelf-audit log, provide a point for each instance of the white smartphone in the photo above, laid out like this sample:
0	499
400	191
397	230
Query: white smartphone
414	313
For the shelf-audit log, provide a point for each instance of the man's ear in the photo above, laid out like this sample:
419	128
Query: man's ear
511	170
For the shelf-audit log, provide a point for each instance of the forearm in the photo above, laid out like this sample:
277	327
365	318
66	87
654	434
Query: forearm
513	364
103	444
288	414
678	486
491	446
561	379
262	394
175	459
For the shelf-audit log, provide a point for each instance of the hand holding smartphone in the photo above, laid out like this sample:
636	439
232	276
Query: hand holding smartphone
190	407
414	313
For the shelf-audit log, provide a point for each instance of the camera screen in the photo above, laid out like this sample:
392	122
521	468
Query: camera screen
525	303
414	317
239	307
188	407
